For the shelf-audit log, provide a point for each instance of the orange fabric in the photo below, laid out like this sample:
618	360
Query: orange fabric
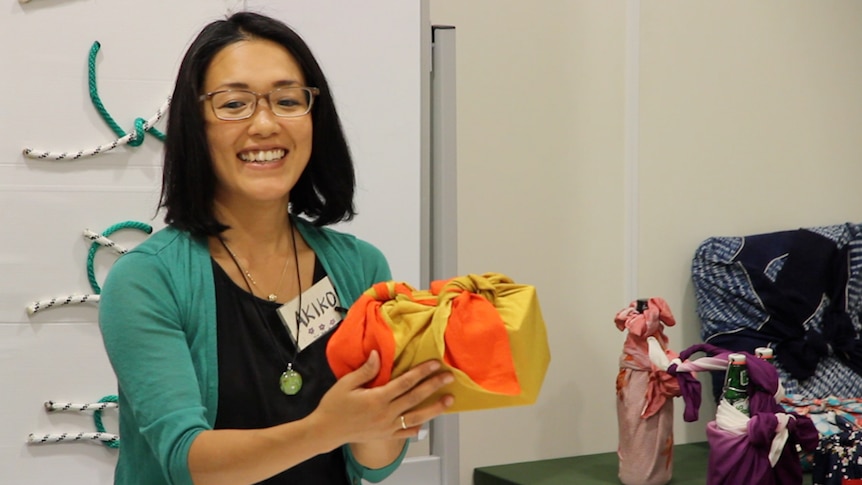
361	326
486	330
477	343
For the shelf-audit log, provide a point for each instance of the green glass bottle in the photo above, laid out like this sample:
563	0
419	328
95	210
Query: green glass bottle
736	383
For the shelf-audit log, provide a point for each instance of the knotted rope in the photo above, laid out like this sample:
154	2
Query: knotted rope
134	138
98	240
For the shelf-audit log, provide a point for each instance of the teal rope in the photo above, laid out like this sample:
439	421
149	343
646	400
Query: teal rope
94	91
91	255
100	107
97	420
139	132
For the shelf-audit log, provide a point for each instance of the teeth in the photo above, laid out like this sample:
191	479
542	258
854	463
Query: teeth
262	156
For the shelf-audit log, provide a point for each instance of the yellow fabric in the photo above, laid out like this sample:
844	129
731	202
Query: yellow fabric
418	320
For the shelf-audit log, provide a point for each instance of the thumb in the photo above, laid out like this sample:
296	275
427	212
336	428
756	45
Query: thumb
367	371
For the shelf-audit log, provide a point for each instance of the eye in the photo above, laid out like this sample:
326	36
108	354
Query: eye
233	104
289	98
232	101
289	102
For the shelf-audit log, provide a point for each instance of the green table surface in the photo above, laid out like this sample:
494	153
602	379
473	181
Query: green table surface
689	468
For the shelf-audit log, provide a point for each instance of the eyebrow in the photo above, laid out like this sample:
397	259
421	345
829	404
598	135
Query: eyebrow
277	84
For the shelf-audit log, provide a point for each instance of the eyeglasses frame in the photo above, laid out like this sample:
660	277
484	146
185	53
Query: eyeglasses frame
314	92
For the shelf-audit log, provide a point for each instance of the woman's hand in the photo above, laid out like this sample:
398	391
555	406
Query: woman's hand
357	414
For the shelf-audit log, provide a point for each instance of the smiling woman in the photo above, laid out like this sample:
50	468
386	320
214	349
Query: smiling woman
219	386
278	145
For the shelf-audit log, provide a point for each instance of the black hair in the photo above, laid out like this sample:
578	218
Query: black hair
324	191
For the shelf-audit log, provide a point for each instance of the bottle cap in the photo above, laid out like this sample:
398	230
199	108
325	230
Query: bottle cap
736	358
763	352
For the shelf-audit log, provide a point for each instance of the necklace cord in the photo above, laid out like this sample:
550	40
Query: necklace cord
256	304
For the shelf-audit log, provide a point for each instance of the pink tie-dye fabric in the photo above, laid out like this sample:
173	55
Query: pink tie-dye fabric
645	398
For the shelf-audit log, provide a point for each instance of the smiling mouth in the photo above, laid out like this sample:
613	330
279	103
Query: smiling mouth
263	156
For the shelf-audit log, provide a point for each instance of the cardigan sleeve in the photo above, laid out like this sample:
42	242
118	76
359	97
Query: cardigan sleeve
374	475
149	349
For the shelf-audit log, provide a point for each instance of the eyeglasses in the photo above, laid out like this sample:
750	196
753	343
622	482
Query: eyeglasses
240	104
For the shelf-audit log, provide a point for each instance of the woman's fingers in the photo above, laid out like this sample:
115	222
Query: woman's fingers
367	414
414	387
410	380
415	418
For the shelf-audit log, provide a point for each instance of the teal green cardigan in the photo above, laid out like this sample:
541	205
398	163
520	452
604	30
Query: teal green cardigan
157	315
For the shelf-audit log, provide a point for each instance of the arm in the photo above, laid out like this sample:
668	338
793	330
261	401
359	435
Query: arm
348	412
161	395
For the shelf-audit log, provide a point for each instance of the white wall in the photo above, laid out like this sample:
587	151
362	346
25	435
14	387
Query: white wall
600	142
58	354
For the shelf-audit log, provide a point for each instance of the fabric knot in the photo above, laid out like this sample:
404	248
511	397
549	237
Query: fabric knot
485	285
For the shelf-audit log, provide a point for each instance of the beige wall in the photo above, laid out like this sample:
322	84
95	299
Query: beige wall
600	141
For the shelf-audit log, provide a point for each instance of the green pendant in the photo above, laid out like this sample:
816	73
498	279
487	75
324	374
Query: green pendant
290	381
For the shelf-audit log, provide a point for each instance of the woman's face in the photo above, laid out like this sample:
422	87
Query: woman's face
258	159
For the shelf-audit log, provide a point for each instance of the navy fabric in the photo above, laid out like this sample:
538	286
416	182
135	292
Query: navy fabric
814	268
838	456
796	291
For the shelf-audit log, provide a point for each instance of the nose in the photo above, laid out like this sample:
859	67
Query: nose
263	120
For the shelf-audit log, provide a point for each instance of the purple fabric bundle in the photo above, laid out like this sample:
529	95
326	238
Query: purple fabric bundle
744	458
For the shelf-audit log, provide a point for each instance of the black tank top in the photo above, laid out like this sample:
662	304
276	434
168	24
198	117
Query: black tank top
250	363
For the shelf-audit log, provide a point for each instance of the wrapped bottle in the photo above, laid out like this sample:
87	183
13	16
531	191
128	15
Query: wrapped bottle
735	390
645	395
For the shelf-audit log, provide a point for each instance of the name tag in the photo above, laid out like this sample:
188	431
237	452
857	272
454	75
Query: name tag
317	317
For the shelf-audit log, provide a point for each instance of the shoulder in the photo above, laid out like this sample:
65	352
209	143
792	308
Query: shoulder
352	263
167	243
167	240
331	240
166	255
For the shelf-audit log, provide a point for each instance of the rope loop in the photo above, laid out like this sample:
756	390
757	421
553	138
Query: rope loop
141	125
91	255
97	420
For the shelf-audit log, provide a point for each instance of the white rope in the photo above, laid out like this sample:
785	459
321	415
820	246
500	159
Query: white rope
38	306
42	439
70	406
42	155
103	241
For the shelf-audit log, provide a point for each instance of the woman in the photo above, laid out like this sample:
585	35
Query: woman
212	388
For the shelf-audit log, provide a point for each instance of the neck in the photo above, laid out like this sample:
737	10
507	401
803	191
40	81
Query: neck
262	229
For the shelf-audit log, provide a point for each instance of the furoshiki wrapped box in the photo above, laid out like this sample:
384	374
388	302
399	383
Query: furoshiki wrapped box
486	329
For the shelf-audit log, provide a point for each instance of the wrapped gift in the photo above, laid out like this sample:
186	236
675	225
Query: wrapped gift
485	329
760	446
645	395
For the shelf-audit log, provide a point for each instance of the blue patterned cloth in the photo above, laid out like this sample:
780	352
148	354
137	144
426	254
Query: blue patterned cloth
737	306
